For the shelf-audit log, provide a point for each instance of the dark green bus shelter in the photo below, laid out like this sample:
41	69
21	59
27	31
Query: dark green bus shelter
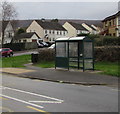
74	52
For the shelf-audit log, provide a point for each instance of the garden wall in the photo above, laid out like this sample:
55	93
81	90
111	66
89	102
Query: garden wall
21	46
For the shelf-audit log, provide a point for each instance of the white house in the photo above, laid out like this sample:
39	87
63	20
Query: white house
48	31
74	29
26	37
8	32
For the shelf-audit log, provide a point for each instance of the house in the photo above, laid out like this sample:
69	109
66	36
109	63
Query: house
8	32
74	29
90	28
11	27
111	25
26	37
0	32
46	30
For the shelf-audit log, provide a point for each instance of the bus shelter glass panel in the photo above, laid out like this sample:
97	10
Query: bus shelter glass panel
73	54
73	49
61	49
88	50
61	54
88	55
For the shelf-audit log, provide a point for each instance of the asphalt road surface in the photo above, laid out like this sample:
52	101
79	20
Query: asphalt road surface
27	95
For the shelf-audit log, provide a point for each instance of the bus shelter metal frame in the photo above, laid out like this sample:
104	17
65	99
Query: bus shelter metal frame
64	62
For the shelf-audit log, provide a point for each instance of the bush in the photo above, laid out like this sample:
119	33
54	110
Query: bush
46	55
108	53
106	41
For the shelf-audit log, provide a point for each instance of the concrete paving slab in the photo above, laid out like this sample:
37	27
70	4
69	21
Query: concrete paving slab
15	70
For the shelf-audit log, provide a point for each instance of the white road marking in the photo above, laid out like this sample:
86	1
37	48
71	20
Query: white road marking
33	94
116	89
45	102
21	101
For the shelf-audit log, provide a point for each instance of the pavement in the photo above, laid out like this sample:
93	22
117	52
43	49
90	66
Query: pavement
62	75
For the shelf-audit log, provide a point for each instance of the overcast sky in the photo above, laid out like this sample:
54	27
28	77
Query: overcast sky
65	10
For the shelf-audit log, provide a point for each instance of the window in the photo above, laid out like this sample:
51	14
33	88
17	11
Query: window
45	31
60	33
24	40
53	32
57	32
110	23
64	32
113	34
50	31
9	35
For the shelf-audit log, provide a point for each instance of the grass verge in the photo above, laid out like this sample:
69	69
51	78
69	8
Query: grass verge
108	68
15	61
44	64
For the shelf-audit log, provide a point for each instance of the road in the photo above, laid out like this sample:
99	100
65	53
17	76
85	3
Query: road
26	52
27	95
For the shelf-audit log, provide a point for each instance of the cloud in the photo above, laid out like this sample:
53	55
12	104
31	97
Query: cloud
80	10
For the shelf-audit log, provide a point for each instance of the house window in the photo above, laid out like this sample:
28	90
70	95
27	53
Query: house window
45	31
57	32
60	33
50	31
64	32
24	40
53	32
9	35
110	23
113	34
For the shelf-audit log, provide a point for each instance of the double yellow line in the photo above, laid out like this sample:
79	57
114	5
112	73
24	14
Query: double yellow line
38	110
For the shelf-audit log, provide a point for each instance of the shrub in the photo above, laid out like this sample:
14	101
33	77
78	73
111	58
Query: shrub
46	55
106	41
108	53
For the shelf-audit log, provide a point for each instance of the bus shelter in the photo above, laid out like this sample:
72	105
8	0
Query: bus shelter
74	52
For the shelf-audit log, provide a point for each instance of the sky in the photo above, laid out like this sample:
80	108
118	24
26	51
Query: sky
77	9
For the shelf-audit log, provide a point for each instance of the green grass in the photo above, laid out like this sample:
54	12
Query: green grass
45	64
15	61
108	68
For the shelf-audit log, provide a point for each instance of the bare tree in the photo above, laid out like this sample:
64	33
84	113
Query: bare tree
8	13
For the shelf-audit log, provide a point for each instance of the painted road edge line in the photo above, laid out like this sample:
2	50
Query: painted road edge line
38	109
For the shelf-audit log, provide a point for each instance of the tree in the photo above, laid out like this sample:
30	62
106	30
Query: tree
54	20
21	30
8	13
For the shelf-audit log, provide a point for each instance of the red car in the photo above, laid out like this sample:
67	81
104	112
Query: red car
6	52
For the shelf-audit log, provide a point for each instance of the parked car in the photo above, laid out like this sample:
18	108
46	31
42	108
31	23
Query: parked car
52	46
42	44
7	52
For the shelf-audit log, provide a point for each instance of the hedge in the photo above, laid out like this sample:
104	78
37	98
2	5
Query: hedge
107	53
107	41
46	55
21	46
